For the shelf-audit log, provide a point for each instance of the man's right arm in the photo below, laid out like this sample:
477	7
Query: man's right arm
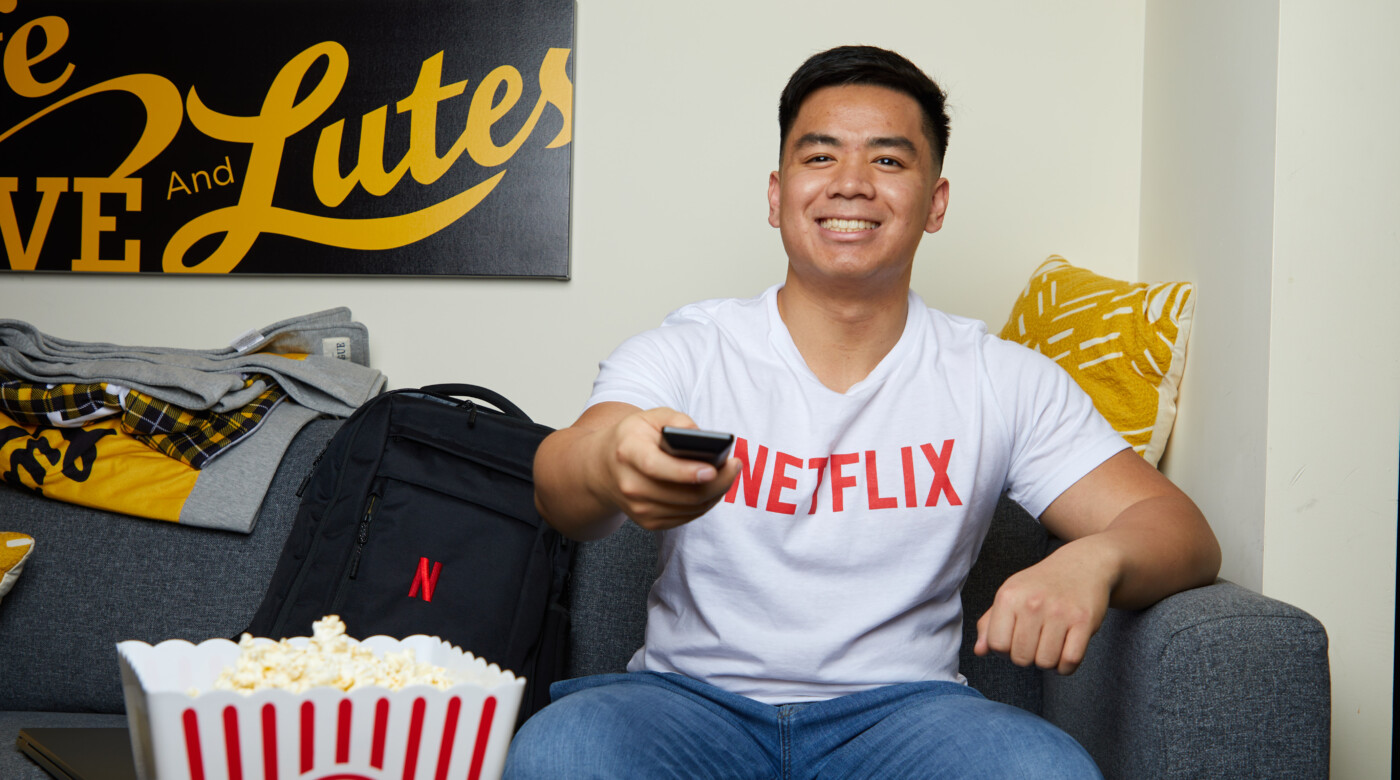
609	463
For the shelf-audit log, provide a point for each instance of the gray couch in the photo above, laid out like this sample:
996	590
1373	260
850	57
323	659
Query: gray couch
1217	682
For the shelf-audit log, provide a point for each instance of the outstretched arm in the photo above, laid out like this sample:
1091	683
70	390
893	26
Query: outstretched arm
609	463
1133	539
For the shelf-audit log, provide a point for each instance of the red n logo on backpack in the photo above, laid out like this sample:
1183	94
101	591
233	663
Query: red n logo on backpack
425	581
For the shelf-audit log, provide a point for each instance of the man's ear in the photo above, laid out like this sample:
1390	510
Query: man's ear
938	206
775	198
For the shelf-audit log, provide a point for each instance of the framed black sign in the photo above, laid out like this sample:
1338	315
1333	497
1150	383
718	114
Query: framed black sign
361	137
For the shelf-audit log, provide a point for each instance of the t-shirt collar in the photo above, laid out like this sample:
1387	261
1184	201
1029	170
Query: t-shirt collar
782	342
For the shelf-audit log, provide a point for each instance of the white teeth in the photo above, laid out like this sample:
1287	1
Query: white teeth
848	225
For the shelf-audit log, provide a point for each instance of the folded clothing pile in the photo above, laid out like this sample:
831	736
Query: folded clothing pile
189	436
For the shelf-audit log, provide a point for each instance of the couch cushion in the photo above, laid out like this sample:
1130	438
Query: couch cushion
608	600
96	579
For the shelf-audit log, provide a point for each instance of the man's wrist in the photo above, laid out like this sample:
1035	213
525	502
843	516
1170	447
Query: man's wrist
1098	559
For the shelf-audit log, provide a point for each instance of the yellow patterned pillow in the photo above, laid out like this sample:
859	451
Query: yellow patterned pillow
14	548
1124	343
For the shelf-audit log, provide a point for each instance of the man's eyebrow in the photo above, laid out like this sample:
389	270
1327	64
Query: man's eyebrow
816	139
894	142
879	142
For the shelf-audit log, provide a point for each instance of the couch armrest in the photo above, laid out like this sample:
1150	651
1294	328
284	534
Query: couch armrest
1213	682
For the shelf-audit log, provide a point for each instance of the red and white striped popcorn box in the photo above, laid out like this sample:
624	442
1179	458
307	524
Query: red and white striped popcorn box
184	729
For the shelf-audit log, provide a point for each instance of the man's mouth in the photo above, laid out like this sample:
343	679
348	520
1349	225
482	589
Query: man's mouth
847	225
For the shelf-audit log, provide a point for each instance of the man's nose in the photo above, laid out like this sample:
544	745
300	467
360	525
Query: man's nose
851	179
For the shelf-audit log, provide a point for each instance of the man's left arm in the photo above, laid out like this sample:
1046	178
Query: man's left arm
1133	538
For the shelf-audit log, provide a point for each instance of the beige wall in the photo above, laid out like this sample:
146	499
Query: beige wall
1268	171
675	133
1207	216
1334	355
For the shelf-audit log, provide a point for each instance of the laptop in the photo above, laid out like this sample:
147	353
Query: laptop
89	753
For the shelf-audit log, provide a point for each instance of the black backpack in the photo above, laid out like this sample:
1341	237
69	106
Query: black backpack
419	518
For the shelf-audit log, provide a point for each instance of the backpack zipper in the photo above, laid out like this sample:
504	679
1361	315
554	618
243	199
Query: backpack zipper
362	536
361	539
306	480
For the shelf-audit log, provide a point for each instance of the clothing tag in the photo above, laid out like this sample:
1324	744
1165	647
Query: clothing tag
337	347
247	341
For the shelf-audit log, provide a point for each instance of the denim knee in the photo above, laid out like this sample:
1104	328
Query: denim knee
567	739
635	728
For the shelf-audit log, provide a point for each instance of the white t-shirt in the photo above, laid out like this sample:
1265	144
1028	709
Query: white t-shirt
835	563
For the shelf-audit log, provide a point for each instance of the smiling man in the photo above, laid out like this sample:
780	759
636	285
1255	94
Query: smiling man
806	621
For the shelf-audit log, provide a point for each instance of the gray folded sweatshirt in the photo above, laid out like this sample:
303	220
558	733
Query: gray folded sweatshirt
334	379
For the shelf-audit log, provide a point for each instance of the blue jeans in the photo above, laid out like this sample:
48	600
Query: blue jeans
646	725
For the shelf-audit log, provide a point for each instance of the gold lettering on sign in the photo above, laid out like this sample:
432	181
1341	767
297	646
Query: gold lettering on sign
25	257
282	115
164	113
222	176
17	62
95	223
554	90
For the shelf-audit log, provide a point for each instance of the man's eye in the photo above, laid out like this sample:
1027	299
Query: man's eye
889	161
820	158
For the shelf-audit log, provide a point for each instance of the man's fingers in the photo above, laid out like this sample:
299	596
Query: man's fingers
677	481
1075	647
980	648
1025	641
659	517
658	503
998	629
1014	625
1028	641
643	443
1044	615
668	468
1050	649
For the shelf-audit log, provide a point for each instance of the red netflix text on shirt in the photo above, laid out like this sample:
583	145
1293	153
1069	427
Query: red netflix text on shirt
760	479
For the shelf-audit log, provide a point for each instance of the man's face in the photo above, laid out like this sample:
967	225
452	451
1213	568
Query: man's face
857	186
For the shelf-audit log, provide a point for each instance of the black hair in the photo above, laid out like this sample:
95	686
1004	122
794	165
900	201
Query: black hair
866	65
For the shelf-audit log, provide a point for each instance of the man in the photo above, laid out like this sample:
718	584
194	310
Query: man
806	621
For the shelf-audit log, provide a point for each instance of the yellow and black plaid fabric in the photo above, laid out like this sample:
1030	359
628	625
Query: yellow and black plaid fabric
33	403
190	436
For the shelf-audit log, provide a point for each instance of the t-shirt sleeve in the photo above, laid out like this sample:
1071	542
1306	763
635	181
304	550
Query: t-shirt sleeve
1057	435
651	369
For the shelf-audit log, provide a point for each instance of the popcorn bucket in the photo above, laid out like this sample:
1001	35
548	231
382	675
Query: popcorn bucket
181	728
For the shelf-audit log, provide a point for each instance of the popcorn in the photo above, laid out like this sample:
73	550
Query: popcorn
336	716
331	659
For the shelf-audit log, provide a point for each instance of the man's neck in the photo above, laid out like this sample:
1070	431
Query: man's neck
843	338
